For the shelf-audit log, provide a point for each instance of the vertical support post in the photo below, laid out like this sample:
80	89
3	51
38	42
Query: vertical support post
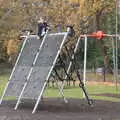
114	65
24	43
85	60
39	98
116	44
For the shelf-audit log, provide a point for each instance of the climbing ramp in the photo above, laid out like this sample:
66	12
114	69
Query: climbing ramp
42	68
34	66
22	66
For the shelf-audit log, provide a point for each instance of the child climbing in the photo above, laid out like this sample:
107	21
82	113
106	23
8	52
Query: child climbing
42	27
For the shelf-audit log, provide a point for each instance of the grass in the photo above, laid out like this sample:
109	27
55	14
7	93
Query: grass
94	76
93	91
75	92
3	81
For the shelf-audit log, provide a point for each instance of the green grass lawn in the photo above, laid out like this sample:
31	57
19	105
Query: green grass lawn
93	91
3	81
75	92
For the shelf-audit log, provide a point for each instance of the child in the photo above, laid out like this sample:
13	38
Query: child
42	27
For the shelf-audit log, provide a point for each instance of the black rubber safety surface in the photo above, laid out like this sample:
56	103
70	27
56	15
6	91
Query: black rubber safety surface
56	109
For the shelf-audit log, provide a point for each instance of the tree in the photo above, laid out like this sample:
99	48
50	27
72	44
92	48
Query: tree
98	8
86	15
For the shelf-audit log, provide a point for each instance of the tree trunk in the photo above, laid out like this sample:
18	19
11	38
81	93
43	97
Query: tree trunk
103	46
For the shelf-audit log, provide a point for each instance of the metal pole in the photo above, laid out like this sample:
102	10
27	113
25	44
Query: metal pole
39	98
85	60
61	92
114	65
116	45
24	43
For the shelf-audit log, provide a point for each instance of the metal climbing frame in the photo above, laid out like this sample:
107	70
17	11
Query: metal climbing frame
99	35
35	64
33	67
42	67
72	62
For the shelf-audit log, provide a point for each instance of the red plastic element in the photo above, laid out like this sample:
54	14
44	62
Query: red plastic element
98	35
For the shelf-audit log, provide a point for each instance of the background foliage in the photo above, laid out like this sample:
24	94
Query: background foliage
86	15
